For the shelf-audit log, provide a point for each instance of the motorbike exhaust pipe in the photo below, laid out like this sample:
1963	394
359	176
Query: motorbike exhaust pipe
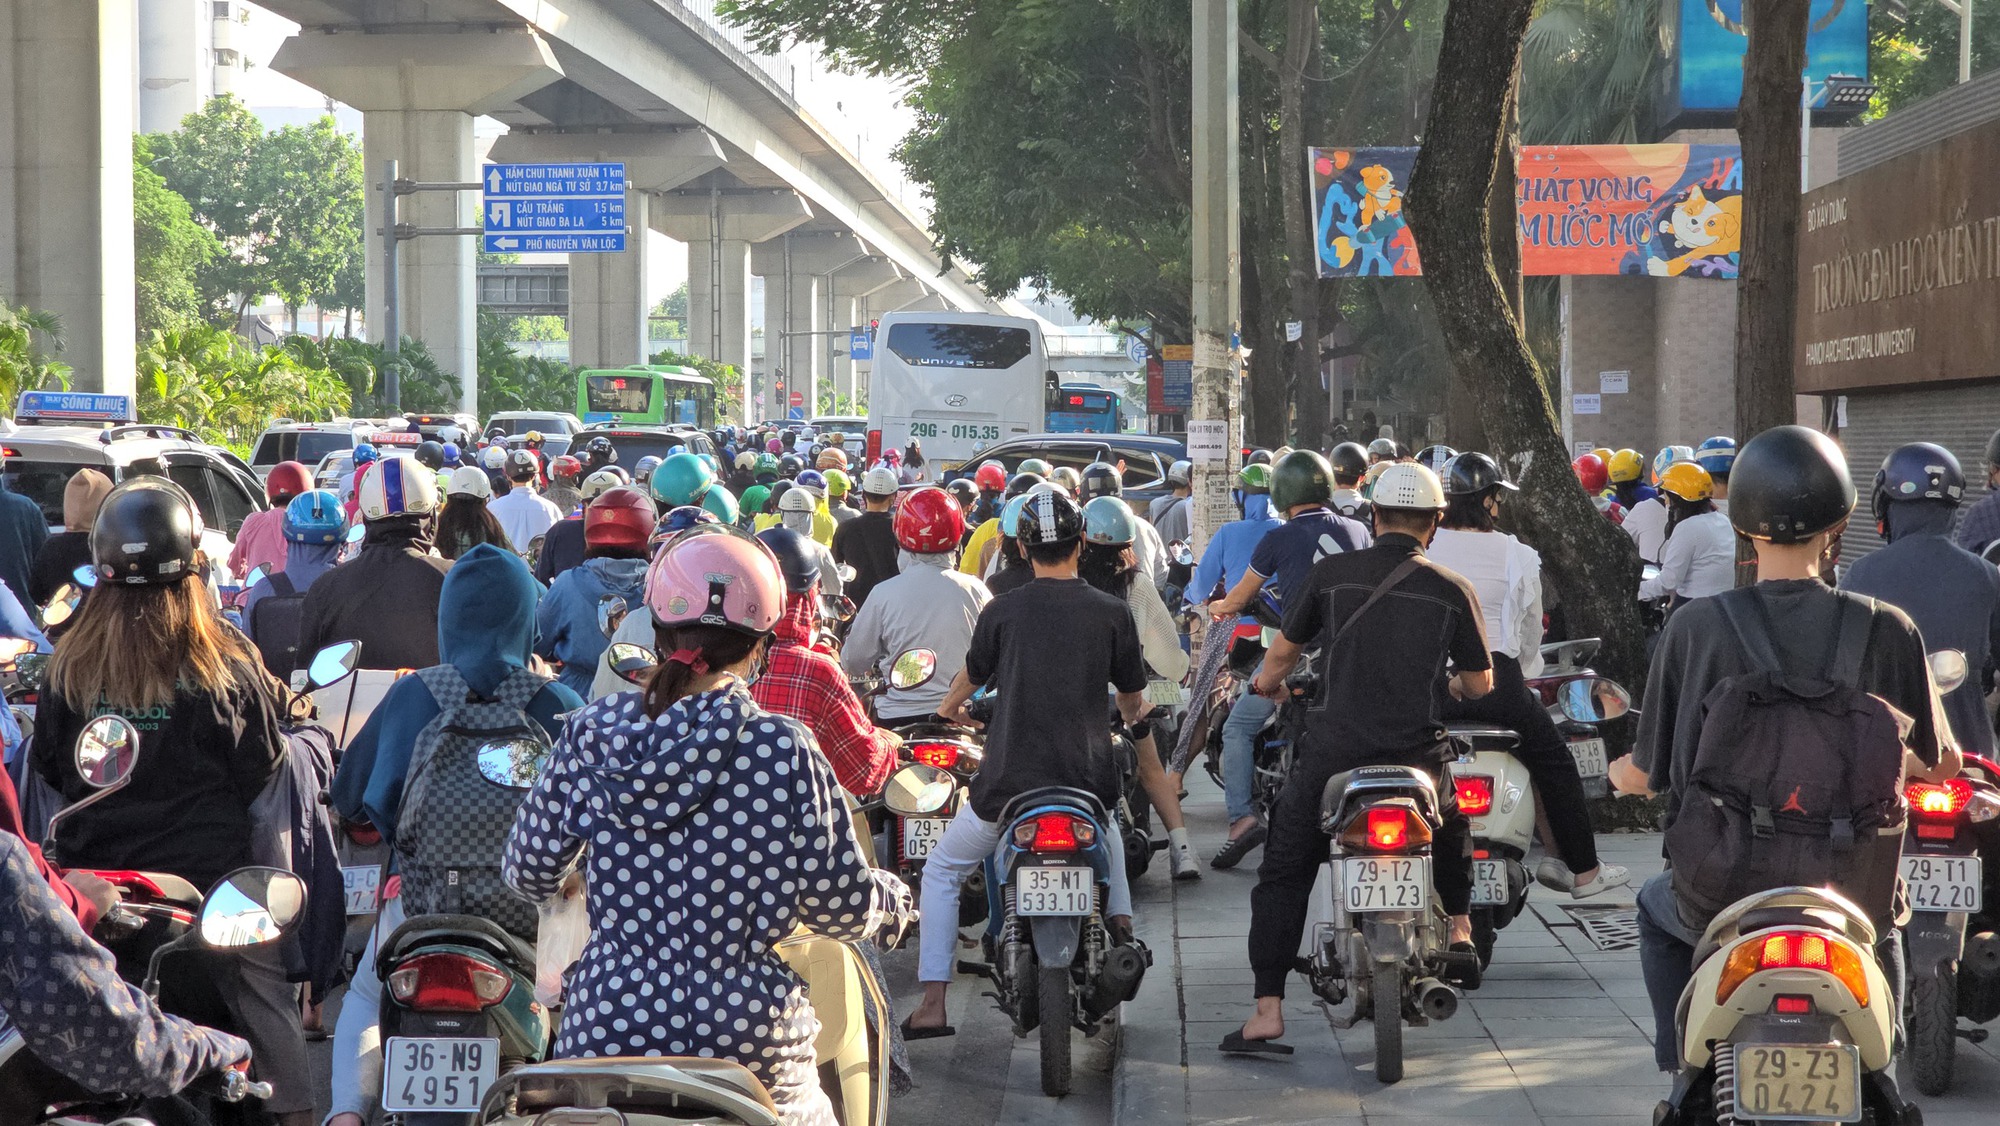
1982	954
1437	1000
1124	968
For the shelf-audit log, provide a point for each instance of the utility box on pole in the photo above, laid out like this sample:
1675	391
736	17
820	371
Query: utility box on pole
1212	415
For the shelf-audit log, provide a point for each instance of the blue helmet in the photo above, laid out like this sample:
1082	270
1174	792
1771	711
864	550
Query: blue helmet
363	454
450	454
315	516
1717	455
798	557
684	517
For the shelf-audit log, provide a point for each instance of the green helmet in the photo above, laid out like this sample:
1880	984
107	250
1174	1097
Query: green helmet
1254	478
767	463
1034	465
1301	477
719	503
1108	520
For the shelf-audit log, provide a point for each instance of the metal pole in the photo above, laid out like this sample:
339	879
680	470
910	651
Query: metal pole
1965	40
392	297
1212	417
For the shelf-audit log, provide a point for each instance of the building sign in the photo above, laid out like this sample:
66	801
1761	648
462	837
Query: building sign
1176	382
73	406
1643	210
1899	270
1705	59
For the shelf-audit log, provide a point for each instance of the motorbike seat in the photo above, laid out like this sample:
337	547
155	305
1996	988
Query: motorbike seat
1082	800
462	930
1813	908
633	1083
1379	781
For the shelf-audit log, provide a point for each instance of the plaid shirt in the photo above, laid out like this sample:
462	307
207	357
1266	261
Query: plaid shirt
807	684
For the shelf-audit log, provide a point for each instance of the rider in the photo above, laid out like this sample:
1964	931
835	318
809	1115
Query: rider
976	558
563	546
1596	479
465	522
616	529
598	453
261	540
813	483
867	543
565	474
1102	479
991	480
1350	465
1227	556
838	485
1646	521
1981	523
929	605
363	456
62	553
1172	514
1381	450
386	597
1699	558
1627	468
314	526
1717	456
524	513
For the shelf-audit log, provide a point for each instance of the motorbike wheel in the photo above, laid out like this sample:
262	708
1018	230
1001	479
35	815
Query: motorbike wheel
1933	1031
1386	995
1483	934
1056	1008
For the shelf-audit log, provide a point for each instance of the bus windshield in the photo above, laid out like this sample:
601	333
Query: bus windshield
958	345
1084	410
955	383
618	394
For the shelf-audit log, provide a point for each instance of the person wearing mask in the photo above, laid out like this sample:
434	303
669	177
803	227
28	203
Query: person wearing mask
260	542
692	744
813	483
1952	595
1102	479
991	481
149	644
1167	513
1350	465
1506	579
1717	456
1646	522
61	554
314	525
1699	558
929	604
1010	569
598	453
386	597
465	522
1627	471
23	530
616	529
1227	557
867	543
799	511
524	514
839	490
565	477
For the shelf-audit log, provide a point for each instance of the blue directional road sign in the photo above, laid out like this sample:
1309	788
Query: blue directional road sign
860	345
554	208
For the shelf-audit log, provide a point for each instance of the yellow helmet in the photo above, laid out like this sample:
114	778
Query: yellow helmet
1687	481
1626	465
1603	454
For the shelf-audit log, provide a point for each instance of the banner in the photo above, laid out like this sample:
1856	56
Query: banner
1658	210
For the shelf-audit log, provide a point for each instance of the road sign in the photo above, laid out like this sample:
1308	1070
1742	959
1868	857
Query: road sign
74	406
1135	350
860	344
798	399
796	414
554	208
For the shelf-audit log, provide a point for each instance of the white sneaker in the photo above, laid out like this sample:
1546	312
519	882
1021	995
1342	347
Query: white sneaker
1186	863
1553	874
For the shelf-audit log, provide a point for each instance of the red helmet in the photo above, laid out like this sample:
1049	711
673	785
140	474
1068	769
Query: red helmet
991	478
620	517
287	480
564	467
929	521
1591	471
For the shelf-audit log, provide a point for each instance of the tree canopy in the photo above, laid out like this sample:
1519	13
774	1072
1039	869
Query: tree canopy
170	249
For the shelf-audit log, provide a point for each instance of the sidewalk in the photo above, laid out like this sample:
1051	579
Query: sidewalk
1559	1033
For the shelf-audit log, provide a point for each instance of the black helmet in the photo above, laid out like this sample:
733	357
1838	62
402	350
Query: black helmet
147	532
790	466
1993	450
1301	477
1789	484
1049	517
1918	471
1472	473
1435	458
1349	459
966	492
601	449
1101	479
1258	457
430	455
1021	483
798	557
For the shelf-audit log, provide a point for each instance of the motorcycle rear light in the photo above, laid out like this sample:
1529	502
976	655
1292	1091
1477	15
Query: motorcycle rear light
363	834
874	446
1927	831
448	983
1388	829
1475	794
1481	854
1393	826
944	756
1939	801
1794	950
1055	832
1792	1006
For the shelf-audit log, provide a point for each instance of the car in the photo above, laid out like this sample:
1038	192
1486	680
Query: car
550	423
635	441
853	431
305	442
1144	458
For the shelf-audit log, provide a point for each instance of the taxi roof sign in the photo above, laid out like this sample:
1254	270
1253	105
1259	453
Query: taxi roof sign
73	406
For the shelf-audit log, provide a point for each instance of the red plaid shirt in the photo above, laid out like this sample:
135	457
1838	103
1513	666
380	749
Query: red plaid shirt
808	685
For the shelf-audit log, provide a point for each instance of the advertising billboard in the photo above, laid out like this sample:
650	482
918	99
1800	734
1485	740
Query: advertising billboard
1705	56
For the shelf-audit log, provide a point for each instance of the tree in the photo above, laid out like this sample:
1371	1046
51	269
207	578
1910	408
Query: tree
543	328
215	383
30	341
727	379
170	249
312	215
1916	56
1767	285
1589	71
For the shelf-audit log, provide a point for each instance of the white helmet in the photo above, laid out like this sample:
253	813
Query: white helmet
469	481
610	477
1410	486
493	457
880	482
797	499
398	486
450	434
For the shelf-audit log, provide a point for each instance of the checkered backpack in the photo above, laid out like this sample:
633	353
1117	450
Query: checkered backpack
454	823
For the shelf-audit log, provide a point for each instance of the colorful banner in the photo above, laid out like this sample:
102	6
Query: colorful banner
1659	210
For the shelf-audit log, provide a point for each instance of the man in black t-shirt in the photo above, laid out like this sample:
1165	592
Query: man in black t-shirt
1048	651
867	543
1377	706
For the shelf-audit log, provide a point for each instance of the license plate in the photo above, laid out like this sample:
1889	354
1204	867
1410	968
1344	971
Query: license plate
1386	883
1489	883
364	886
437	1072
1054	891
1795	1083
921	834
1943	883
1589	756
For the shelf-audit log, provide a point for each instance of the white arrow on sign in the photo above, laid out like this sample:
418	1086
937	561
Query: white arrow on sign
493	180
499	214
506	243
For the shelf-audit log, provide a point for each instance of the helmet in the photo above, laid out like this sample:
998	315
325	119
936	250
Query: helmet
601	449
1349	459
717	500
398	487
796	499
837	483
1180	473
681	479
746	460
1625	465
1435	458
1382	448
430	455
314	516
450	434
1670	455
1687	481
797	556
564	468
1108	520
642	470
496	433
1301	477
1603	454
1471	473
1022	482
609	477
1034	465
493	457
879	482
287	480
364	453
753	499
1100	479
522	465
620	517
449	451
1591	474
1068	478
533	438
964	491
990	478
469	481
1918	471
1049	517
813	480
790	466
715	575
1258	457
929	521
682	518
147	532
1716	455
1789	484
1010	514
1254	478
832	457
773	446
767	464
1407	486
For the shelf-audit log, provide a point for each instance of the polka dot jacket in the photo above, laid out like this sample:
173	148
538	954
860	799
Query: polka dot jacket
712	832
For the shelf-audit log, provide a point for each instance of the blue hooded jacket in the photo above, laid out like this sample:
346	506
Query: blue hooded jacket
1229	549
486	630
568	617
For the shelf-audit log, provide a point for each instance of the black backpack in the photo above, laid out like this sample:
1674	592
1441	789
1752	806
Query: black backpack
275	621
1797	780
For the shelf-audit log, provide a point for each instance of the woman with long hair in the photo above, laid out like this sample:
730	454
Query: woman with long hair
704	814
1699	558
466	522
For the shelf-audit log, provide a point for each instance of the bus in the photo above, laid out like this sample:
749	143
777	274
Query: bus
957	383
657	394
1084	409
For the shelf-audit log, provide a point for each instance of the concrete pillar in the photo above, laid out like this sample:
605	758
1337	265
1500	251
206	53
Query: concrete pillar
796	268
67	91
852	284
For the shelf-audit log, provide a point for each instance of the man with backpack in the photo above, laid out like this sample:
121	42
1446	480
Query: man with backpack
1780	720
273	610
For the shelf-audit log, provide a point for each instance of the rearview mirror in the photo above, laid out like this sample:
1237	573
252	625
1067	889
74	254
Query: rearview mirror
918	790
32	670
84	576
839	607
632	662
357	533
1594	699
250	907
1180	553
846	573
611	611
62	604
514	763
257	575
107	751
332	664
912	668
1948	670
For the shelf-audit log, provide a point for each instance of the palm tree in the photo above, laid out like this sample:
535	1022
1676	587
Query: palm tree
29	341
1589	72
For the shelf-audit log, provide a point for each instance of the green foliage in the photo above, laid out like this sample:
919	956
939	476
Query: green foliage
674	305
30	341
213	382
1589	70
509	381
170	249
543	328
727	379
1911	61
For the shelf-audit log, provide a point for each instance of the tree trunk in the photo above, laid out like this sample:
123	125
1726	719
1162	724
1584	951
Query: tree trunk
1298	68
1593	565
1465	429
1767	286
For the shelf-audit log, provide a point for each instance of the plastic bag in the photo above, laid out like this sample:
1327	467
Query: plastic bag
559	939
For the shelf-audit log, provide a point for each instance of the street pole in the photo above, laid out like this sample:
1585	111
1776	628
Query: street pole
392	295
1212	416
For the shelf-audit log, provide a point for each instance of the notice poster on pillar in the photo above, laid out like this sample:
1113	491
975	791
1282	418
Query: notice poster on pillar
1642	210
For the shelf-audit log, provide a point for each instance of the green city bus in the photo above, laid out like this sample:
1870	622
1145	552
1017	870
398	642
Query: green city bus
656	394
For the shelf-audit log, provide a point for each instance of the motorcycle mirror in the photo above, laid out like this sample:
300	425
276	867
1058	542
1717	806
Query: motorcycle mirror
1948	669
514	763
32	671
107	751
357	533
257	575
632	661
918	790
333	663
1575	653
1180	553
62	605
912	668
1595	699
611	611
251	907
846	573
84	576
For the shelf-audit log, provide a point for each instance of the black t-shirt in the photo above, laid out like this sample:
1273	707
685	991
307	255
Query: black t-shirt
56	563
1378	689
1049	650
866	543
1013	576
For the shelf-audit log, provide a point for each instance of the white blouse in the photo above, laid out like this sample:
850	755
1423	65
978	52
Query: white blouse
1506	574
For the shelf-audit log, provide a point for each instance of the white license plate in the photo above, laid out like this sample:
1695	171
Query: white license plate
1943	883
921	835
1386	883
1054	891
364	888
1798	1083
1589	756
1489	883
437	1072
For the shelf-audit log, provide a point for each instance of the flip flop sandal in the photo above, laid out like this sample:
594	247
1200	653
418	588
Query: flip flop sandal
1236	1045
934	1032
1232	854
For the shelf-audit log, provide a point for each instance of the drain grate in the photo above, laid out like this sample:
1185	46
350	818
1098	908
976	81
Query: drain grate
1608	928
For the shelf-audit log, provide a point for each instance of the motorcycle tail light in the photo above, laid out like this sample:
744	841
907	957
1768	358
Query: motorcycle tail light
448	983
944	756
1794	950
1789	1006
1390	827
363	834
1475	794
1939	800
1055	832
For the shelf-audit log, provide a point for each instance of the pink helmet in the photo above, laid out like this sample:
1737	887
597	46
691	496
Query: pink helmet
716	575
775	446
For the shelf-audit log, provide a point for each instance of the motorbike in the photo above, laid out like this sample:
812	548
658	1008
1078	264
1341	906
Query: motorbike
1952	940
1562	663
1789	1017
